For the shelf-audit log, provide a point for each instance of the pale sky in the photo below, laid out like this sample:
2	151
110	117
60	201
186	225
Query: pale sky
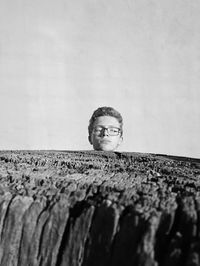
60	60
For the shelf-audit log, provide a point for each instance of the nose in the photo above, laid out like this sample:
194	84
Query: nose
105	132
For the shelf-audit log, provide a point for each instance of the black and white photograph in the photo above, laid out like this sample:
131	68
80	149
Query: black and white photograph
99	133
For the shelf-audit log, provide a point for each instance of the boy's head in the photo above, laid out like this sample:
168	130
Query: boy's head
105	129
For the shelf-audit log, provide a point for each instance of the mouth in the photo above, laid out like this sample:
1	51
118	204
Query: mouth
105	141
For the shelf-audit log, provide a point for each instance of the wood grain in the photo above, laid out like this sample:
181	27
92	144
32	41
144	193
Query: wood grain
90	208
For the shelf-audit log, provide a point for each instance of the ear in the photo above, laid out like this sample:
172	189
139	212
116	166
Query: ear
120	140
90	140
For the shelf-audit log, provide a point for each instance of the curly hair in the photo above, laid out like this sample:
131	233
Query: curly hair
105	111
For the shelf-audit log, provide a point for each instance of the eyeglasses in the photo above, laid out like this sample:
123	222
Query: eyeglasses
112	131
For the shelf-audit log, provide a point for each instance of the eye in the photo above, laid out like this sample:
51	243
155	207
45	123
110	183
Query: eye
113	130
97	129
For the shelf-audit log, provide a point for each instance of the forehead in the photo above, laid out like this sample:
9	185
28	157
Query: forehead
106	121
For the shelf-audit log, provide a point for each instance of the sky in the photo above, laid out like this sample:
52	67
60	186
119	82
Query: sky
61	60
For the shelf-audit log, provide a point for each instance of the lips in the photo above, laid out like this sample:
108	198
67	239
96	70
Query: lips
105	141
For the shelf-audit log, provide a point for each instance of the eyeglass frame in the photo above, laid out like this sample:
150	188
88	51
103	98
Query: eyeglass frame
102	130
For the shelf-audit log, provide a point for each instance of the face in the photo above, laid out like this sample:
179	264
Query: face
100	137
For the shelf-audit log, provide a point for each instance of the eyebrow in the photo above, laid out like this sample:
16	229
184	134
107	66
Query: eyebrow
106	126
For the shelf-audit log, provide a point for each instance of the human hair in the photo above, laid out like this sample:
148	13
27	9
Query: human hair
105	111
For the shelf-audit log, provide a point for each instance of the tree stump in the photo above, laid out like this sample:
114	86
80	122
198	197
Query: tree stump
87	208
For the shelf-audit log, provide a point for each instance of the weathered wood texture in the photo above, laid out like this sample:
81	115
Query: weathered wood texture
98	209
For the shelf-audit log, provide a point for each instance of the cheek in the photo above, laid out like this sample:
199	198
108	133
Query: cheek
118	140
94	139
96	142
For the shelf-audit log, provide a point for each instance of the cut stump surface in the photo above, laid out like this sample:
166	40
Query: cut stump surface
90	208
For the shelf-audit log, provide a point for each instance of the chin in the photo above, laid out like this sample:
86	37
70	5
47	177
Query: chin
106	148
